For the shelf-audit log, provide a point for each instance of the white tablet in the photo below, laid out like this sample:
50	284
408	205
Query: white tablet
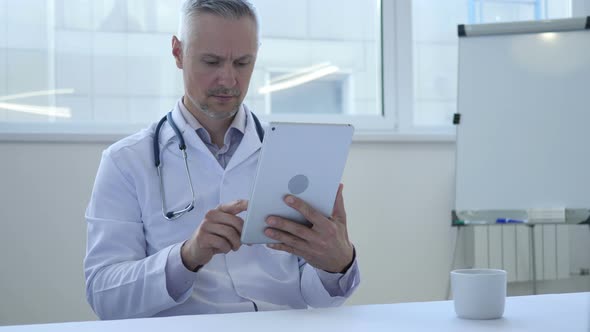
305	160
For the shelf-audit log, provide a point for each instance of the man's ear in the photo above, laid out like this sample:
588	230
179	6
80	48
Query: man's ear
177	51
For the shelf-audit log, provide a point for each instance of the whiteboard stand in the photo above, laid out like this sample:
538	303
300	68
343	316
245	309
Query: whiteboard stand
522	111
533	256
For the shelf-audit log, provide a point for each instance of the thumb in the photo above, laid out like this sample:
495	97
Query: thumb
339	213
234	207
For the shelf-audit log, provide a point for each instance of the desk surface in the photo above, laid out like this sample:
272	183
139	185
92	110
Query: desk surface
559	312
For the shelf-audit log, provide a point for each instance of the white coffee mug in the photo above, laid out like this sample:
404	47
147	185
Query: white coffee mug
479	293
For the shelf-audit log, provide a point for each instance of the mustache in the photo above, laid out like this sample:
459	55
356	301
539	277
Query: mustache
221	91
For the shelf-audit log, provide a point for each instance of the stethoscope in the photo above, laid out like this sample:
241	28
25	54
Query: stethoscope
172	215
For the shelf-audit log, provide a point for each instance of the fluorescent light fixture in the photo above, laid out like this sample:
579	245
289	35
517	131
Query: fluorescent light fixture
299	72
548	36
299	77
37	93
60	112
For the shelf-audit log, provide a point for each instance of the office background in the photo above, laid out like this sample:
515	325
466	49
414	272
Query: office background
399	191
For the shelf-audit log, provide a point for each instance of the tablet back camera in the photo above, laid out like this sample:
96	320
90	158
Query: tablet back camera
298	184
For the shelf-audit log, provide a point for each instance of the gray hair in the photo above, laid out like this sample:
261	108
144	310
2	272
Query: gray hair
234	9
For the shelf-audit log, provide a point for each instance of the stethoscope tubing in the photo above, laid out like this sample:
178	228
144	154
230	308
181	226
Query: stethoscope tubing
173	215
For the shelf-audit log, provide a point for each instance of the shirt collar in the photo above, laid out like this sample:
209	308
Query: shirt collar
250	135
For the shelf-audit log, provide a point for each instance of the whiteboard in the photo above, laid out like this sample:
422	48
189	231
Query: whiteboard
524	136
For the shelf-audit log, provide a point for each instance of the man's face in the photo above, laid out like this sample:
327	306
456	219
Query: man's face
217	63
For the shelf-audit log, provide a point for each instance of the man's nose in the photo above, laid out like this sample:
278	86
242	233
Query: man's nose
227	76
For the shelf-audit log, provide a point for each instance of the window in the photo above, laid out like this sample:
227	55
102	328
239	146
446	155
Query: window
94	66
105	66
319	61
331	94
86	66
435	53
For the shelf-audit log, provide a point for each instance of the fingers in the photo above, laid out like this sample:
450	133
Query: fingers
293	228
315	217
287	239
218	244
225	225
305	209
339	213
227	233
219	217
234	207
219	232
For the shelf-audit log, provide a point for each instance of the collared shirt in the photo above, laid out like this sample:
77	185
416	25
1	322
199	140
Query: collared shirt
233	135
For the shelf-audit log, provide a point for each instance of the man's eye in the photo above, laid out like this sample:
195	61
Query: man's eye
211	62
243	64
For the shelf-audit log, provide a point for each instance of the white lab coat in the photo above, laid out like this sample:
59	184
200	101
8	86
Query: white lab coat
129	240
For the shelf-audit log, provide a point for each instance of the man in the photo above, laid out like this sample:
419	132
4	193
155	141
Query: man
139	264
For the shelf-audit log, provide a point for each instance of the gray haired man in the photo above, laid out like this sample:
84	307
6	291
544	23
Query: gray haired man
138	264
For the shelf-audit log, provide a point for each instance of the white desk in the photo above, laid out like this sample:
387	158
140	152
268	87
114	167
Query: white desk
561	312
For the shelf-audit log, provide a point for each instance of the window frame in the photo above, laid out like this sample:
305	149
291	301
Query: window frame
398	67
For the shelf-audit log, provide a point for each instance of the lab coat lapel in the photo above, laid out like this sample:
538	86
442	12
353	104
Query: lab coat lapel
249	145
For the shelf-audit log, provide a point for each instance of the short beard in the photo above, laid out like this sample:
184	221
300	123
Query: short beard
204	108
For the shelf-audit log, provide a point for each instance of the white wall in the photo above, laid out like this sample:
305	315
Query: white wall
398	197
43	193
